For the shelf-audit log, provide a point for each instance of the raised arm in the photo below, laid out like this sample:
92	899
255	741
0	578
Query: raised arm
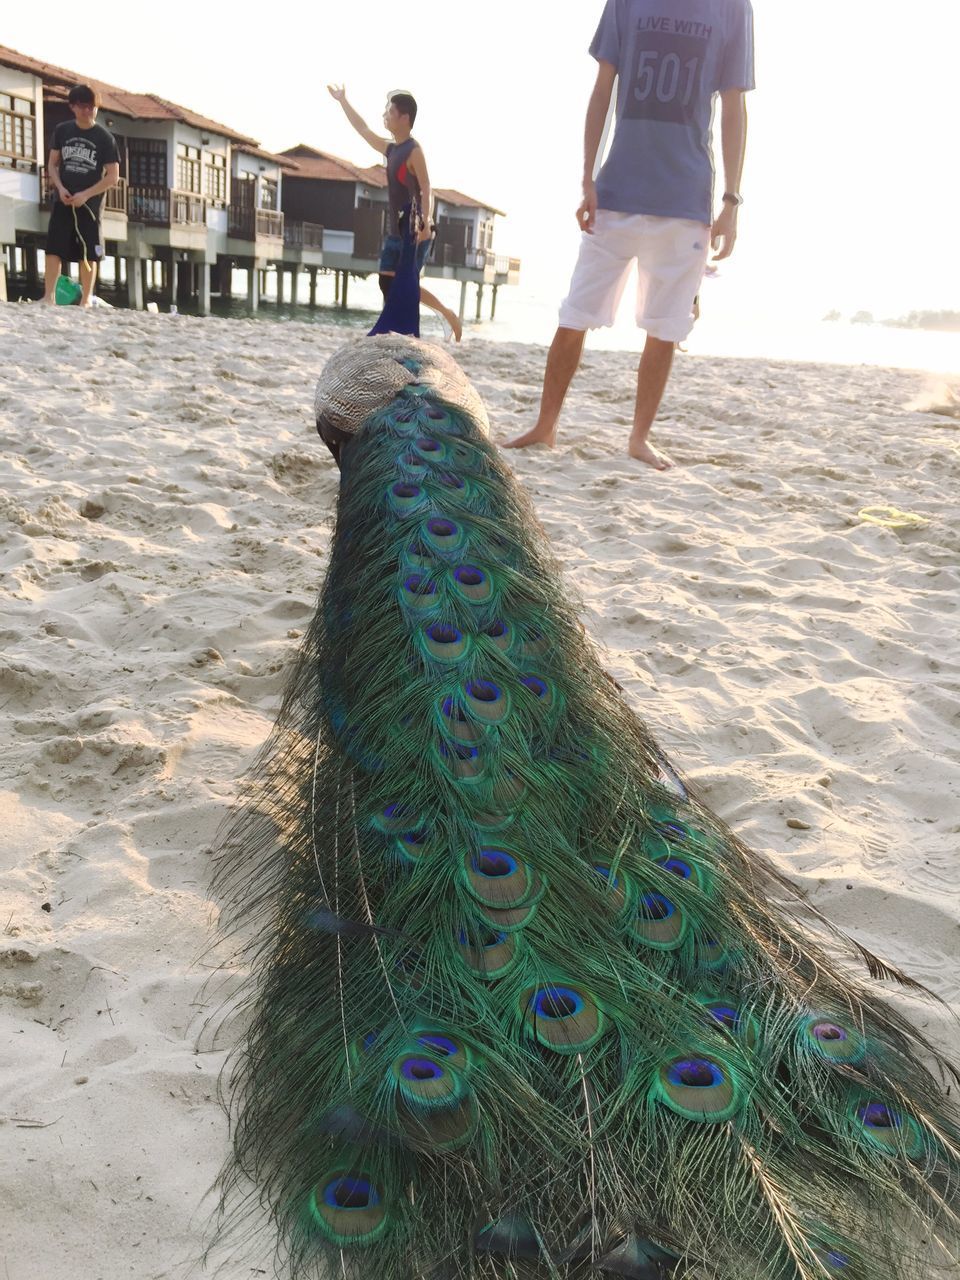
418	163
597	109
339	94
733	145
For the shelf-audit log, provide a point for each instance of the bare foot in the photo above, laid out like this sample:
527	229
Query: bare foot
645	452
536	435
48	302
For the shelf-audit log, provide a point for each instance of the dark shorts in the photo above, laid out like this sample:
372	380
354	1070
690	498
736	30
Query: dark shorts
63	240
390	253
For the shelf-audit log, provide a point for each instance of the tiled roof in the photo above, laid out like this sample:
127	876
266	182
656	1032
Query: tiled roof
449	196
58	81
308	162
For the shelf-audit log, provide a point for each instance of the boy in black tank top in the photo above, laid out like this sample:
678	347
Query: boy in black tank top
408	187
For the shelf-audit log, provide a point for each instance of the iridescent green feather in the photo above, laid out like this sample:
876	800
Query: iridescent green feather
523	1006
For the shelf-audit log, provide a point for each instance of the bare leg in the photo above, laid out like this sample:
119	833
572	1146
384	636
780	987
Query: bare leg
562	362
88	278
652	375
451	317
51	273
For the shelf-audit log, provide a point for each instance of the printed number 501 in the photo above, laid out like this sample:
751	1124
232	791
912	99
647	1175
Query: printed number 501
673	80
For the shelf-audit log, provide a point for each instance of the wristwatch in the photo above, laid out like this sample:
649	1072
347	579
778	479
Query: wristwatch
732	197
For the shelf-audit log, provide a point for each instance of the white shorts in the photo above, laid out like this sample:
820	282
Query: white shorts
670	253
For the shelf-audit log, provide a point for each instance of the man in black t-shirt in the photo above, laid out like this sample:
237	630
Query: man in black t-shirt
83	164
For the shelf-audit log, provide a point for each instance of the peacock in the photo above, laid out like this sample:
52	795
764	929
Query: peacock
522	1005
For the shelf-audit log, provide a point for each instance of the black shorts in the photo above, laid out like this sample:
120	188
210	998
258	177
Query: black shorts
62	237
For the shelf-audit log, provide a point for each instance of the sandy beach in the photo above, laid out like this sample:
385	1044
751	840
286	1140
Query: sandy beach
165	515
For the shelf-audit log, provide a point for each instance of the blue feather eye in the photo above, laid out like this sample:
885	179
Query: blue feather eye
488	955
725	1014
557	1002
832	1040
394	818
562	1017
404	496
421	1069
455	721
888	1129
472	583
348	1208
451	480
427	445
444	633
443	535
440	1044
487	701
500	881
434	1102
659	922
351	1193
676	867
419	591
697	1087
500	633
412	845
444	641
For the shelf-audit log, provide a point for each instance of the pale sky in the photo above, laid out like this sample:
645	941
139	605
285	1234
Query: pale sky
852	184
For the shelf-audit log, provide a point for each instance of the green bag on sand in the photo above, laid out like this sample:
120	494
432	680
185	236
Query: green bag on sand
67	291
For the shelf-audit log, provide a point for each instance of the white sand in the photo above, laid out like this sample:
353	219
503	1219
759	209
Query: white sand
163	531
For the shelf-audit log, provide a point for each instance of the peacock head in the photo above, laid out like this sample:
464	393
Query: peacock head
370	375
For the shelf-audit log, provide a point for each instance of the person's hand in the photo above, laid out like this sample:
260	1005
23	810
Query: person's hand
587	212
80	199
65	196
723	234
337	92
425	233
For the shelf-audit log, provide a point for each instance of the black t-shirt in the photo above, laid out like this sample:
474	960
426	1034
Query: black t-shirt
83	155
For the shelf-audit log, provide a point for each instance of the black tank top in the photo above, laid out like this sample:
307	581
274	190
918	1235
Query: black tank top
402	184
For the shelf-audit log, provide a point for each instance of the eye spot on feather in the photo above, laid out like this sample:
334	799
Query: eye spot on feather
444	633
676	867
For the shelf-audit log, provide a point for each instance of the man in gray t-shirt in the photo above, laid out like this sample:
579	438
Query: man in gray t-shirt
652	202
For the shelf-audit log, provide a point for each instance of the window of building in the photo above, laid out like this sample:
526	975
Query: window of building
189	169
269	193
215	177
485	238
18	133
147	162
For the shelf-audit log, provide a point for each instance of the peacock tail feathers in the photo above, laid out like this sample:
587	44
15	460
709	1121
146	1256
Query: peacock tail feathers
523	1006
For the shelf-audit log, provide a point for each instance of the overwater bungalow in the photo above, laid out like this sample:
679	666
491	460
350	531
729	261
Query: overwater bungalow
197	199
350	203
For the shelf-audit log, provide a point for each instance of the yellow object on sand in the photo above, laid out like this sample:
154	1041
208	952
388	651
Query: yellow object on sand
891	517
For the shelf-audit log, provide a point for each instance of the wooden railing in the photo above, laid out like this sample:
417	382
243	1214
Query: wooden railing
480	259
253	224
187	209
163	207
114	198
303	235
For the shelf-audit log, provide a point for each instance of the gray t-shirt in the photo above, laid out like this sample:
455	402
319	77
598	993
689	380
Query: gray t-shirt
672	58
